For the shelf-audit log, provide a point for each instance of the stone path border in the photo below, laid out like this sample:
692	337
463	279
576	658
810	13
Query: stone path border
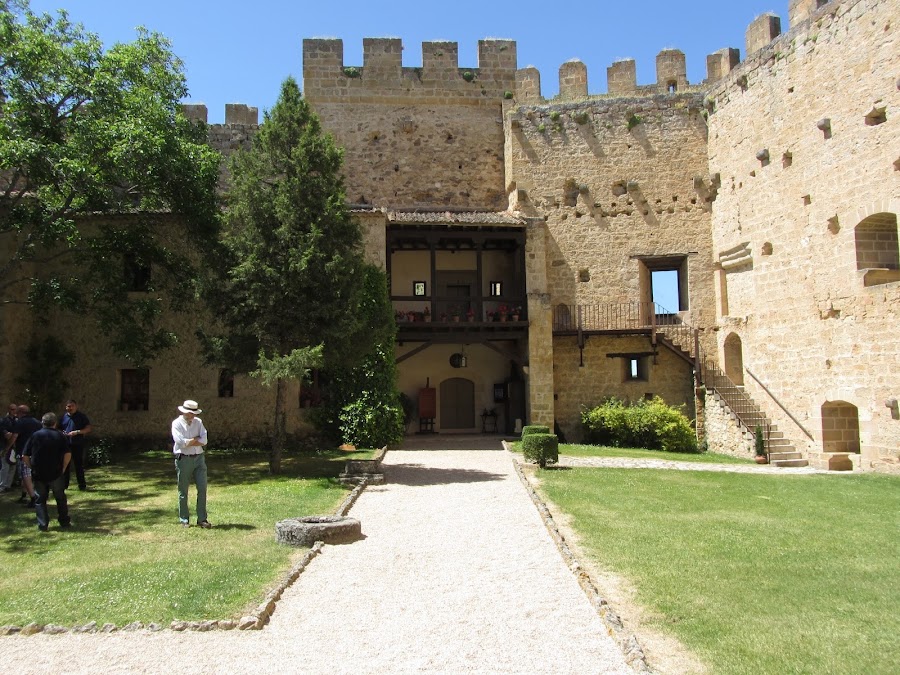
634	463
627	642
255	620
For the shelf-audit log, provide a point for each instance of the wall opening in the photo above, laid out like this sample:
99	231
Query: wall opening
665	283
636	369
840	427
734	358
877	248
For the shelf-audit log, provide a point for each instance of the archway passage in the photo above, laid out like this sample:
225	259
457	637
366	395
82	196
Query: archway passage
734	358
840	427
457	404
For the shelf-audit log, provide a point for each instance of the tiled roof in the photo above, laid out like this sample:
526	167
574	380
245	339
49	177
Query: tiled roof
450	217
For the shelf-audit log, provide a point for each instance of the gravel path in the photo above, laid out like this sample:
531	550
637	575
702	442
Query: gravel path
456	573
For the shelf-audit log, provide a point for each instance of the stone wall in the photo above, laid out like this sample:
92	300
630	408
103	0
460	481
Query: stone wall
723	434
805	135
612	182
415	137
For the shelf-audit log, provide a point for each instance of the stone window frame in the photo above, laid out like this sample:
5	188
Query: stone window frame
876	242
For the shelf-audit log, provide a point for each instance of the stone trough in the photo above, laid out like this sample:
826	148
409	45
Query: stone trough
308	530
357	469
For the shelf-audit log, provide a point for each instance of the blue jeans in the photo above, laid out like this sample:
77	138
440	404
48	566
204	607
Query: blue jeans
42	490
186	468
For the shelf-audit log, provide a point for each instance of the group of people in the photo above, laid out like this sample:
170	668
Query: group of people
43	453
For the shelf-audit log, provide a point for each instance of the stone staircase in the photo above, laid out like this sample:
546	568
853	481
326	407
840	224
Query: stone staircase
732	397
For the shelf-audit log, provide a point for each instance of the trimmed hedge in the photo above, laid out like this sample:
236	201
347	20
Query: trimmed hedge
534	429
542	449
646	424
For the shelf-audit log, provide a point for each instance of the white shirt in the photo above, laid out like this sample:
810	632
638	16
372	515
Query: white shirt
183	432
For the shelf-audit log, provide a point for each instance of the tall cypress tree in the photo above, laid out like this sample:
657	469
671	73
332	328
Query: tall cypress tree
290	289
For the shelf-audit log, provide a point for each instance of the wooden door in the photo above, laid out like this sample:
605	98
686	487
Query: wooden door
457	404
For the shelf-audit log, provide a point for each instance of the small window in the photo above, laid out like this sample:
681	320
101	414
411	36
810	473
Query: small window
311	391
496	289
672	86
635	369
226	383
136	273
134	388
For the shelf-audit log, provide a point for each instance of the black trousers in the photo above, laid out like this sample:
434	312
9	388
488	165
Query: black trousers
42	490
78	463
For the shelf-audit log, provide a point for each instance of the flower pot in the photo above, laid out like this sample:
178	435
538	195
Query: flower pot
761	459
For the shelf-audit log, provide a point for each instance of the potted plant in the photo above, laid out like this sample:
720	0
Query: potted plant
515	313
470	314
760	446
503	312
427	314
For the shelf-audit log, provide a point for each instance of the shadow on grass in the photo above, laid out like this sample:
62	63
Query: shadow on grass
119	494
414	474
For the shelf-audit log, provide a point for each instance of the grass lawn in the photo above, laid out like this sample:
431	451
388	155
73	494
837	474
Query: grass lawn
126	558
754	573
573	450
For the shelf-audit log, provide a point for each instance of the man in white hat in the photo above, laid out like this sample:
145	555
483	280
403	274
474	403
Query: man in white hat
190	438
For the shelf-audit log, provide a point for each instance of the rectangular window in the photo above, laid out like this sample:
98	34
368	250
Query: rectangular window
635	369
226	383
134	388
137	274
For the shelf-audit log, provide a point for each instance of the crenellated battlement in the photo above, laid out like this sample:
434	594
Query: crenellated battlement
383	78
671	65
238	114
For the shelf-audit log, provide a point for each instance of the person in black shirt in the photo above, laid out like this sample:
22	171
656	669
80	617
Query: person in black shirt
47	454
75	425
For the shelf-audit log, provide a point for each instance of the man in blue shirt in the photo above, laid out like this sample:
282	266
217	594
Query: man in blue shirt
47	455
76	425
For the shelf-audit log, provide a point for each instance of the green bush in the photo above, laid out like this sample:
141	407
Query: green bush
646	424
534	429
542	449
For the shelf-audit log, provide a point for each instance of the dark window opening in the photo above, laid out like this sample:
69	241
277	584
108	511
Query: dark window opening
636	369
136	273
134	389
226	383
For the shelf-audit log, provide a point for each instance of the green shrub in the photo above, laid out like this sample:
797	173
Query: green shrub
99	453
542	449
646	424
534	429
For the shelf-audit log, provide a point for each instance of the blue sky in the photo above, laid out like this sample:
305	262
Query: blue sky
239	52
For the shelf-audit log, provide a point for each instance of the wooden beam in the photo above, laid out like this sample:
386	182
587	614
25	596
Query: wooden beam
421	348
504	352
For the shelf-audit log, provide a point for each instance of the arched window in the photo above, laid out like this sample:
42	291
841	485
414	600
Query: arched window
877	249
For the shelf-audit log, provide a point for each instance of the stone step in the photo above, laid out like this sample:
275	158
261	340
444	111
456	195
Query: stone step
789	462
784	455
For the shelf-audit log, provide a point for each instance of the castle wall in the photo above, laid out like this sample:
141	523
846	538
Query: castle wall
803	158
415	137
613	179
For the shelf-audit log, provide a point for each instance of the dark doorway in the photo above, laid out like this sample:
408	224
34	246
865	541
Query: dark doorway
457	404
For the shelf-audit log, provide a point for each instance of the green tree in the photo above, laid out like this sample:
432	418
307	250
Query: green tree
290	291
86	133
362	402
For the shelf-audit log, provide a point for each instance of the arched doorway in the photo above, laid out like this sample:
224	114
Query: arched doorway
457	404
840	427
734	358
